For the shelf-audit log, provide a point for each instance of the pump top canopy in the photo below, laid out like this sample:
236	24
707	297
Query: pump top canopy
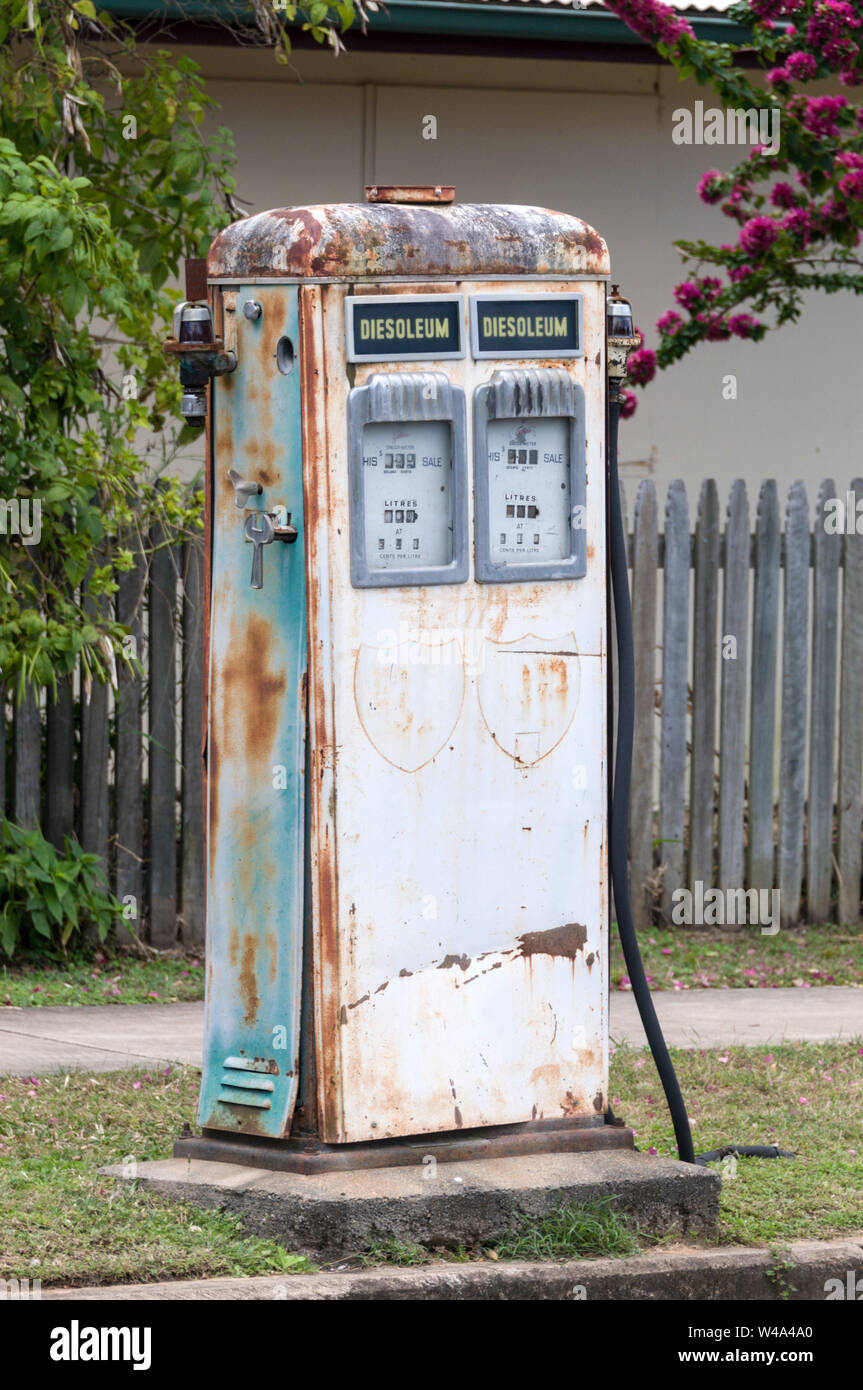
371	241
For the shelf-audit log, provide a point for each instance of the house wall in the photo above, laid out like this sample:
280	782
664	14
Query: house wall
583	137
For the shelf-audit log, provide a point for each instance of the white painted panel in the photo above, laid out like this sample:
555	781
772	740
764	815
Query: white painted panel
468	963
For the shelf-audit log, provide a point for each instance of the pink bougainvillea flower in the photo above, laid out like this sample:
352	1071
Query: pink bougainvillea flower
628	404
641	366
669	322
688	295
710	186
851	184
652	20
801	66
744	326
758	235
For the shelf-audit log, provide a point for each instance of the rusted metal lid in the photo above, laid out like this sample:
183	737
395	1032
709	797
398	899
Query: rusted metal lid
410	193
368	241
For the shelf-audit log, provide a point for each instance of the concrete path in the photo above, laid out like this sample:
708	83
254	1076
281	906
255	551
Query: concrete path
743	1017
130	1035
107	1038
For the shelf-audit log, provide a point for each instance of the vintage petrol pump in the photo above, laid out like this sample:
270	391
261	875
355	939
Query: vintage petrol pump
406	733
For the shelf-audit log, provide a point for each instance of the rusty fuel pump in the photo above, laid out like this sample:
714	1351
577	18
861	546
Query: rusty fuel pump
406	726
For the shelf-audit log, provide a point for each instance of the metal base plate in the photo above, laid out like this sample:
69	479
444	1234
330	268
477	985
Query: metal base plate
309	1155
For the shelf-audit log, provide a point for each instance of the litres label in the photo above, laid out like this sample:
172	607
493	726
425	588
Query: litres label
536	325
404	328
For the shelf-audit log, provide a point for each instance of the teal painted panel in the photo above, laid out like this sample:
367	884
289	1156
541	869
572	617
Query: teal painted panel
255	751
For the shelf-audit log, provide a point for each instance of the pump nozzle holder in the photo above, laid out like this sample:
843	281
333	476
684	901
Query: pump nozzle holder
622	339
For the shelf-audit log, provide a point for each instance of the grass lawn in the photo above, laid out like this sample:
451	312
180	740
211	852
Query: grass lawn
97	977
64	1224
687	958
806	1097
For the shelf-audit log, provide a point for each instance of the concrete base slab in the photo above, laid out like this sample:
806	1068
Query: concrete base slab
328	1215
735	1273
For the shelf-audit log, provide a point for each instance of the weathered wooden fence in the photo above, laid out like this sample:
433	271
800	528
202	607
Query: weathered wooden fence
748	736
121	768
749	694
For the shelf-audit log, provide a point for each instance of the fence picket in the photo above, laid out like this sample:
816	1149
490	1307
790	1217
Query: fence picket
762	725
701	789
192	838
160	853
675	672
645	556
734	650
822	724
850	801
792	766
60	763
129	750
27	739
2	749
93	831
162	862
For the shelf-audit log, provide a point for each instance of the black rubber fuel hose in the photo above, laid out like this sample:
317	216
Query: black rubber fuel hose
617	844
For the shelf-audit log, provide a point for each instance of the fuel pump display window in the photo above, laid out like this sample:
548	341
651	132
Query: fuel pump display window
530	477
408	481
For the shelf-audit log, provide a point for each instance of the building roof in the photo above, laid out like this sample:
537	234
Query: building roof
530	20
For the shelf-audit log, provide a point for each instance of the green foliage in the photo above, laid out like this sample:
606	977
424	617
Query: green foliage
795	202
570	1230
46	895
107	181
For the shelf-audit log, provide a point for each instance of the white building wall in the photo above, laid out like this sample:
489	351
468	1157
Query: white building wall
589	138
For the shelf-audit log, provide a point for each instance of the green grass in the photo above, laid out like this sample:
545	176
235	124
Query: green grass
686	958
97	977
570	1231
63	1223
389	1250
806	1097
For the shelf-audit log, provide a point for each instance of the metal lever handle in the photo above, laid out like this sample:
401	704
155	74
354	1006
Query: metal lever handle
244	488
260	531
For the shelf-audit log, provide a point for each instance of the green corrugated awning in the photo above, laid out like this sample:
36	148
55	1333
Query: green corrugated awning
494	19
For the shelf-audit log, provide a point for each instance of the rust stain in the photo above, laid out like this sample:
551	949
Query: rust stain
248	980
251	688
570	1105
589	960
548	1074
459	1122
598	1102
352	239
449	961
329	1011
565	941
